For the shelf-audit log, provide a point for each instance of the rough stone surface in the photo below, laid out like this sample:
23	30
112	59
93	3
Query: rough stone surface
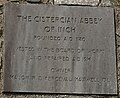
46	1
105	3
33	1
115	4
40	1
14	0
117	17
80	2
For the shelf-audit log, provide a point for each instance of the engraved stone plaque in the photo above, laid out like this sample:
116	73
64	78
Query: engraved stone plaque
59	49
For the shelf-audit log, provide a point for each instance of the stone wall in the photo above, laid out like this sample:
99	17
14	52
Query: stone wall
113	3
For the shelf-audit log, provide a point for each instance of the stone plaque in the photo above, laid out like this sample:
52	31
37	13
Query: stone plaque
59	49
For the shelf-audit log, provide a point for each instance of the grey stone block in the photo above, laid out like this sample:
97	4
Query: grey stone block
60	49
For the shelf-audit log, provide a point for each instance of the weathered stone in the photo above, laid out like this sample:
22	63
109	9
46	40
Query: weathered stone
116	2
33	1
117	12
1	5
3	2
1	12
46	1
1	19
1	62
14	0
81	2
12	95
59	49
118	40
105	3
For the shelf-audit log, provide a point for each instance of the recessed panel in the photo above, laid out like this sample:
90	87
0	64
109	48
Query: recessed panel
59	49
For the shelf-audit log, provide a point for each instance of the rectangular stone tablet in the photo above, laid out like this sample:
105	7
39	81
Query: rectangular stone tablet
59	49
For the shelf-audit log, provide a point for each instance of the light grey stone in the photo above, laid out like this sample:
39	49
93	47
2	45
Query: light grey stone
1	12
60	49
81	2
105	3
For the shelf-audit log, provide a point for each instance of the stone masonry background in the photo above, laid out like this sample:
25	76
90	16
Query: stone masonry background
112	3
